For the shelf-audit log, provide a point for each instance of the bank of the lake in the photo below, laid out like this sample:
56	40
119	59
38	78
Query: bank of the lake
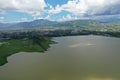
13	46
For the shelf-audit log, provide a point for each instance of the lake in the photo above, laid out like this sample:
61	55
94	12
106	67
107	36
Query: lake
72	58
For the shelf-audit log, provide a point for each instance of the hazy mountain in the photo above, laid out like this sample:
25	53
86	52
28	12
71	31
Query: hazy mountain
108	20
36	23
5	25
78	23
47	23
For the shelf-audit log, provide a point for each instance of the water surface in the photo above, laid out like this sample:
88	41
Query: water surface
73	58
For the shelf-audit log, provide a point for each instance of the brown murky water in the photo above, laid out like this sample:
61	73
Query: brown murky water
73	58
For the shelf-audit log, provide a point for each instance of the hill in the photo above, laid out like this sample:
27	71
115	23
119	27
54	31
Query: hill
45	23
79	24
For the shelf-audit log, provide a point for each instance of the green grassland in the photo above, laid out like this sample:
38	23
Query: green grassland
10	47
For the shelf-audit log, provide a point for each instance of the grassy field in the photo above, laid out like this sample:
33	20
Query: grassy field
10	47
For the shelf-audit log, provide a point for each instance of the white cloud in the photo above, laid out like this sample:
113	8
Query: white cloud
33	7
89	7
23	19
48	17
68	18
55	10
2	19
79	8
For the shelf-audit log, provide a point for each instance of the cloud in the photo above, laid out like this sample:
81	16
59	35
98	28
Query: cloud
89	7
68	17
106	17
2	19
78	8
24	20
55	10
33	7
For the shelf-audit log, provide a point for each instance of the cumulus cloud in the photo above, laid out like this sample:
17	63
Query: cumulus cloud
33	7
24	20
55	10
89	7
2	19
68	18
78	8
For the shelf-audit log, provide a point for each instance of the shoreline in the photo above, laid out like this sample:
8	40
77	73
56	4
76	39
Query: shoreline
51	41
16	46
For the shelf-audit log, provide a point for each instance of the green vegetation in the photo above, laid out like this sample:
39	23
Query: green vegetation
13	46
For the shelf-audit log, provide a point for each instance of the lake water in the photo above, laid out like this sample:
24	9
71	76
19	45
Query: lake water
73	58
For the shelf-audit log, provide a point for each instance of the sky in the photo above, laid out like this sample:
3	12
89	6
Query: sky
57	10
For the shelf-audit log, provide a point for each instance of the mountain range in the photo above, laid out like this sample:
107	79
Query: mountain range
46	23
